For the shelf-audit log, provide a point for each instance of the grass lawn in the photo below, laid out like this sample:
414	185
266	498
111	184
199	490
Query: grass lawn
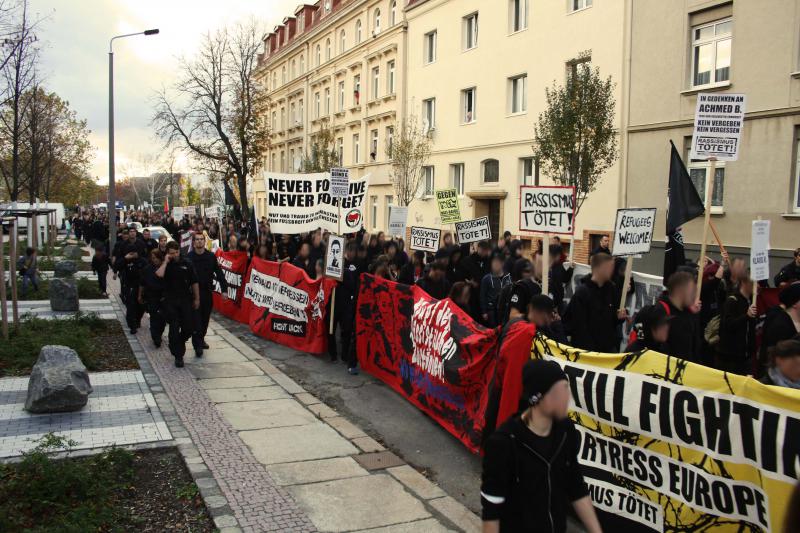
101	344
114	491
87	290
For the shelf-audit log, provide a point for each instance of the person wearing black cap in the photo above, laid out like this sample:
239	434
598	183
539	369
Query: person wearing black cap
781	323
543	314
650	329
531	473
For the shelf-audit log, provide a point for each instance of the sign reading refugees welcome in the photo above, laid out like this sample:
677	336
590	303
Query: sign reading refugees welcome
633	231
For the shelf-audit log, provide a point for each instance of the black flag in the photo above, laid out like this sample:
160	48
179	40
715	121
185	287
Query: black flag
684	204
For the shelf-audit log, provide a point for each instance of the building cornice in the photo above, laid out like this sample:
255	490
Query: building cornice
689	122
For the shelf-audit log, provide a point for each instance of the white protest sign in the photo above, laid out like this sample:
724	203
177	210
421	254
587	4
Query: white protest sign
189	210
473	230
299	203
759	250
186	242
425	239
547	209
212	212
633	231
340	182
718	121
177	212
397	220
334	257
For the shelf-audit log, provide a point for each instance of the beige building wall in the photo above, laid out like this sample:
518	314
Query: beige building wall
326	75
764	64
552	36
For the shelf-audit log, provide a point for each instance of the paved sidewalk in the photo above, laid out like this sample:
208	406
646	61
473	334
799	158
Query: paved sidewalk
269	456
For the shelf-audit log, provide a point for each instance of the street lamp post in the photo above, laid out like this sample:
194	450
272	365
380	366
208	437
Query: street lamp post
112	201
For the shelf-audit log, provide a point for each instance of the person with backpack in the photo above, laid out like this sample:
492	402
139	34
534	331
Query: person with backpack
737	329
531	474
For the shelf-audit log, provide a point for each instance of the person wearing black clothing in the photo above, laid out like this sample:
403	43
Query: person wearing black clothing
789	273
345	311
650	329
303	260
531	474
100	265
172	228
560	275
685	334
413	269
454	271
593	314
207	270
522	268
737	328
181	299
435	282
780	323
603	248
131	267
151	295
514	254
150	243
544	315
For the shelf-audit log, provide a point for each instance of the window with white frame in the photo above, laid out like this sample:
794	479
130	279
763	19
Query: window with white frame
342	42
490	171
428	181
518	94
577	5
376	82
390	77
327	101
292	114
340	150
300	114
341	96
302	65
356	149
318	55
430	47
457	177
283	74
373	201
327	49
517	15
469	105
711	52
316	105
274	121
389	140
388	200
356	90
274	80
373	145
376	21
699	172
393	13
274	162
283	118
283	161
470	31
796	206
429	114
294	69
529	171
358	31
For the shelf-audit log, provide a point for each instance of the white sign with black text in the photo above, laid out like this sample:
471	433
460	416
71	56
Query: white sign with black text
759	250
718	121
633	231
340	182
334	257
397	220
425	239
547	209
473	230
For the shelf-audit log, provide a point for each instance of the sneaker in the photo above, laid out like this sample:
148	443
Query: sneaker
205	345
353	370
198	352
179	362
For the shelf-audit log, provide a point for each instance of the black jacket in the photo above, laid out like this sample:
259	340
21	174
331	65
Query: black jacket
536	491
439	291
685	335
592	317
207	268
778	326
736	329
788	274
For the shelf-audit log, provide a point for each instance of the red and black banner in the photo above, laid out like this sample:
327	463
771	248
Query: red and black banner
428	350
234	266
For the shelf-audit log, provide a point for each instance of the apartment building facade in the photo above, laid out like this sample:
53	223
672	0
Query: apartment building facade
477	78
335	64
684	47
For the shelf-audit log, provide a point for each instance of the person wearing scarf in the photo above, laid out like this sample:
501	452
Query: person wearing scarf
785	369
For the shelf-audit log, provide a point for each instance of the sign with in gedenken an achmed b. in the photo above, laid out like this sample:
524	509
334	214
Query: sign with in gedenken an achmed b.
547	209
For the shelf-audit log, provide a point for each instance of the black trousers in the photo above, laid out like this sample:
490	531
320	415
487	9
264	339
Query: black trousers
201	318
133	309
102	278
343	320
158	322
180	317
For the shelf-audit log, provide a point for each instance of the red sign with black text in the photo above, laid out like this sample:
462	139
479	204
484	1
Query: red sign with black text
234	267
430	351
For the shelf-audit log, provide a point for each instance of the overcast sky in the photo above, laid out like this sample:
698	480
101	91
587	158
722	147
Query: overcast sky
75	36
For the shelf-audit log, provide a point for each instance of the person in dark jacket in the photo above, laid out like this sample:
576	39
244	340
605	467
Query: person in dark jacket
650	329
784	370
523	268
151	294
491	286
149	242
544	315
531	474
345	311
685	334
435	282
737	328
603	248
789	273
132	267
593	314
413	270
303	260
560	275
207	270
514	254
781	322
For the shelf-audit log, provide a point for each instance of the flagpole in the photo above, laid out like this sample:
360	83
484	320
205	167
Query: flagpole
706	224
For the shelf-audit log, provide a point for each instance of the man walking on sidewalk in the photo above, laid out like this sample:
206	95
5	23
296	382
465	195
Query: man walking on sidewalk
206	268
181	298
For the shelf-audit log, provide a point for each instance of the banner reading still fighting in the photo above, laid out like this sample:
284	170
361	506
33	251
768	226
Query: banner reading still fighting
428	350
668	445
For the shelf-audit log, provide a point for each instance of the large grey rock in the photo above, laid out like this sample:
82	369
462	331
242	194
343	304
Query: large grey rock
64	269
73	252
59	382
64	295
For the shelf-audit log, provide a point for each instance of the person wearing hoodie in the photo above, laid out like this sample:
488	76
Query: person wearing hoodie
781	323
435	282
737	330
685	334
650	329
560	274
514	253
523	268
531	474
413	270
491	286
455	271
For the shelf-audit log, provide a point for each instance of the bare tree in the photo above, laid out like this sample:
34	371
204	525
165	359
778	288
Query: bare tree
149	180
323	154
408	153
217	109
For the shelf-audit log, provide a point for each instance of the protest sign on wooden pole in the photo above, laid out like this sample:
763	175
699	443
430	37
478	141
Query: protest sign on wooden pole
759	253
633	235
546	264
706	225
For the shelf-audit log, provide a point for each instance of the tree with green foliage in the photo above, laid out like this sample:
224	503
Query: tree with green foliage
575	137
323	155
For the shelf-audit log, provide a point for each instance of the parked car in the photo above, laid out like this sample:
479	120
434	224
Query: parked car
137	225
157	231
